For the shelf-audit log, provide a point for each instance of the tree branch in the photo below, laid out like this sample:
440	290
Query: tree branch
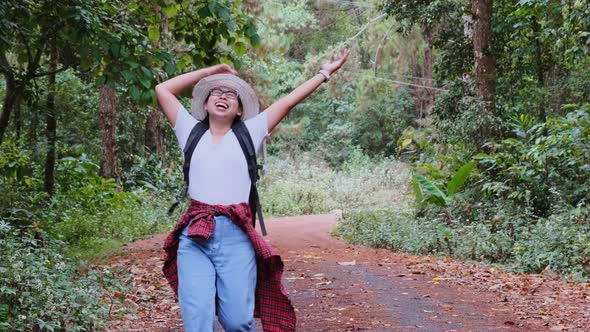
6	68
65	67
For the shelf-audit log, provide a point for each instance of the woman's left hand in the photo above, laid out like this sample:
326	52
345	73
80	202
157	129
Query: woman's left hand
334	66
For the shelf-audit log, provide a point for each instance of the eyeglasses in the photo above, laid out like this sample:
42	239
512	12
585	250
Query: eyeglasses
229	94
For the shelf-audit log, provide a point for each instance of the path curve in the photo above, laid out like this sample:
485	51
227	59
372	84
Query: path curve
334	286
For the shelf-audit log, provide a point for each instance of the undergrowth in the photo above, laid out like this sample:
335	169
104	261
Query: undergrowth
308	185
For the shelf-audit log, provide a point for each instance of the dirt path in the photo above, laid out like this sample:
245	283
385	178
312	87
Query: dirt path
335	286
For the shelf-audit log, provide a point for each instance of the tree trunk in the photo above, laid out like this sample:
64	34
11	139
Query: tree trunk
12	93
428	61
153	133
33	126
416	91
153	136
540	65
107	124
51	124
18	120
365	57
485	62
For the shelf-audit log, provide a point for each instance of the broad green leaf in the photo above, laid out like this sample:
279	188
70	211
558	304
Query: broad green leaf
170	67
101	80
460	177
146	72
251	29
204	12
406	143
145	82
115	49
124	52
432	189
231	26
240	48
127	75
171	10
417	190
213	5
481	156
225	59
135	92
147	185
224	13
147	95
133	64
255	39
154	33
438	200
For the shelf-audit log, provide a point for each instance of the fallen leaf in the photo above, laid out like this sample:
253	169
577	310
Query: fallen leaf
347	263
311	257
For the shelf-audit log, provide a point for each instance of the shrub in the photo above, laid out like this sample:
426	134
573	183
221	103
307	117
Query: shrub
40	289
380	117
307	184
559	243
545	166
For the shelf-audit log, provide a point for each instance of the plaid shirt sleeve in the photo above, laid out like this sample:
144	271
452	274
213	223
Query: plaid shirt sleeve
272	304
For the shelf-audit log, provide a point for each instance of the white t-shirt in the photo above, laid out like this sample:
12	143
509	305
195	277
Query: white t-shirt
218	173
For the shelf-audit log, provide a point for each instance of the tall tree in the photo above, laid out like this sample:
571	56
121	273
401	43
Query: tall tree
25	31
433	18
125	55
153	134
485	61
108	129
51	122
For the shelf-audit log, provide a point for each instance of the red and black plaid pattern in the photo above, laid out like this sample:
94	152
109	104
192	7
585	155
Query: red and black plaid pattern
273	307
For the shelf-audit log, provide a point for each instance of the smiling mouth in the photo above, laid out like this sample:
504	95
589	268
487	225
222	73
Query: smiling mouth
221	105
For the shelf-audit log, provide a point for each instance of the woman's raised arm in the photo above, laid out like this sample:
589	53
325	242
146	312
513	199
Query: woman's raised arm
166	91
278	110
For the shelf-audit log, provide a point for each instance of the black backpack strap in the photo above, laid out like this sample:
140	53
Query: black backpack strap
245	140
191	143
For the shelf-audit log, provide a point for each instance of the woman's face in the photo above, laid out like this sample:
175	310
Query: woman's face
223	102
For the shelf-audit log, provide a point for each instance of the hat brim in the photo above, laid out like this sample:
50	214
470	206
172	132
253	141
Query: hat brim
250	104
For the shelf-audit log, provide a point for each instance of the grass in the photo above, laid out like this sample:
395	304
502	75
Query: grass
307	185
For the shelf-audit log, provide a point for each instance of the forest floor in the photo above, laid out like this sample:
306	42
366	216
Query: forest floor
335	286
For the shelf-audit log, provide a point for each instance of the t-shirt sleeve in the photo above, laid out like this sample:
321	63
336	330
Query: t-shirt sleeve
184	124
258	128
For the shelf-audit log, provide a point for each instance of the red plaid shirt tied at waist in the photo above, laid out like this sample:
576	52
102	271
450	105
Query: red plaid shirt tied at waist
272	305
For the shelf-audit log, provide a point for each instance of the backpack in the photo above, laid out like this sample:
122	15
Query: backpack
245	140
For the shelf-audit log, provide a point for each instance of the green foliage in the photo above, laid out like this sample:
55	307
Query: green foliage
385	229
459	178
43	237
41	290
559	243
306	184
544	166
416	144
381	115
17	182
460	119
433	194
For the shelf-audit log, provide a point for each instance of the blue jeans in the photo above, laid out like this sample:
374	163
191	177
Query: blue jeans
224	266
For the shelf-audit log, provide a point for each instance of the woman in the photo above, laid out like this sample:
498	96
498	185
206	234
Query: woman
216	262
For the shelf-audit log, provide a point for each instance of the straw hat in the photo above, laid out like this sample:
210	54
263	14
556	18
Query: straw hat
250	104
